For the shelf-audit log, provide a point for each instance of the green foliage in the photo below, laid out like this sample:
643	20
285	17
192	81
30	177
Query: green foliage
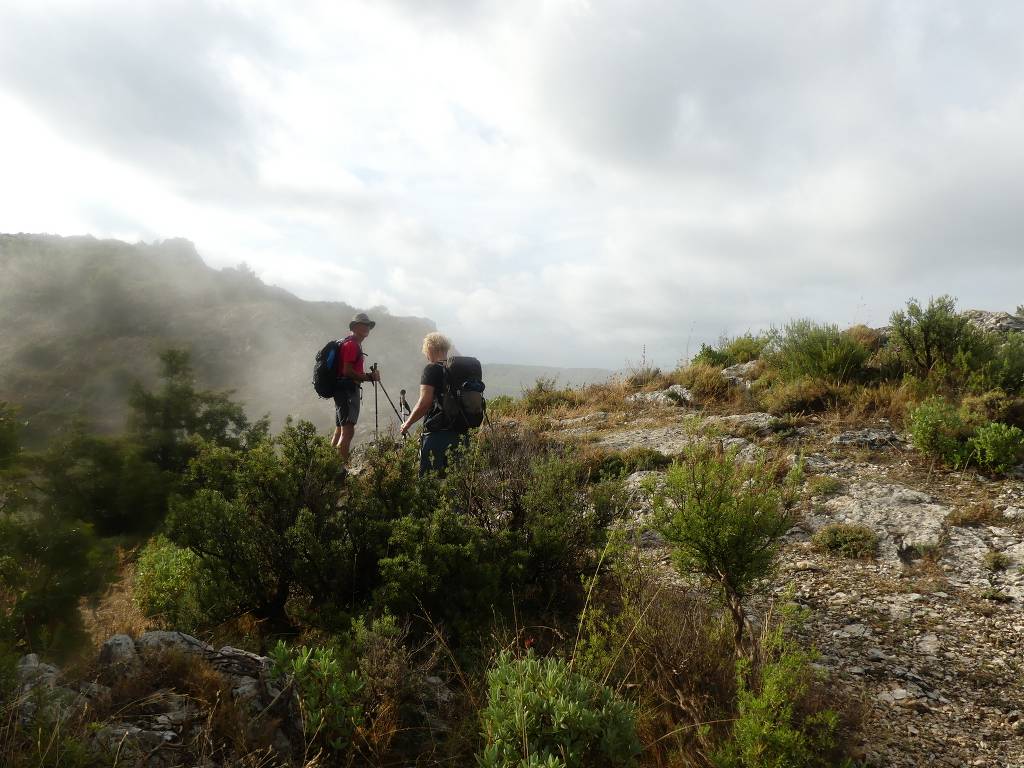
268	521
47	563
936	340
739	349
328	695
704	380
803	395
853	541
541	714
1009	363
545	396
937	429
500	405
809	350
824	485
165	422
998	447
724	519
168	584
106	482
996	561
9	435
777	725
639	458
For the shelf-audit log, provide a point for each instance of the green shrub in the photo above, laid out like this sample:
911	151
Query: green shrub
705	381
9	435
807	349
996	561
541	714
824	485
710	356
938	341
778	723
167	584
804	395
937	429
600	464
1009	363
500	405
724	520
545	396
854	541
998	447
328	695
642	376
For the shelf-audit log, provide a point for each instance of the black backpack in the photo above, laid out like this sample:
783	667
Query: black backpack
462	400
325	369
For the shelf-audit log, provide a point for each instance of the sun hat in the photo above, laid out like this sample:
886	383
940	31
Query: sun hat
363	318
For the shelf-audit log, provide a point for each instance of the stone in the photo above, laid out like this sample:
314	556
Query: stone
868	438
756	423
928	644
119	655
32	673
162	640
902	517
675	395
1000	322
739	375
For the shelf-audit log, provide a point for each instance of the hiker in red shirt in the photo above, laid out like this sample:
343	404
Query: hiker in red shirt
350	376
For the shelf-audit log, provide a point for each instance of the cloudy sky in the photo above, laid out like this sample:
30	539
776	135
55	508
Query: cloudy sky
562	181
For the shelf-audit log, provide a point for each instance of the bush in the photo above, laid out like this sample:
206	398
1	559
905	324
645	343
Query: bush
167	584
710	356
779	723
739	349
809	350
643	376
996	561
705	382
327	694
853	541
1009	363
724	520
938	341
998	447
602	464
937	429
541	714
545	396
805	395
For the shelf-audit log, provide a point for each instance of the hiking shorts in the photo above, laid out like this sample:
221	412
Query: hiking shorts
346	406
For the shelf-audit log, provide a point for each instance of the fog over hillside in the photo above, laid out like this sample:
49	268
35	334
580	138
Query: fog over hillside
83	318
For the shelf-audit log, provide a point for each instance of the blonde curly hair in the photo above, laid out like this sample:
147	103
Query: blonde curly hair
436	342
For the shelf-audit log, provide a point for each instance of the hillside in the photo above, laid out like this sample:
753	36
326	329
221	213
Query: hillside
83	318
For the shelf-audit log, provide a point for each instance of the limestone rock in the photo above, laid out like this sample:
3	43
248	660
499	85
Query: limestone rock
868	438
675	395
1001	322
756	423
161	640
902	517
740	375
120	657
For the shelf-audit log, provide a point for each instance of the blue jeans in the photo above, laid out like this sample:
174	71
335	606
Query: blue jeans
434	450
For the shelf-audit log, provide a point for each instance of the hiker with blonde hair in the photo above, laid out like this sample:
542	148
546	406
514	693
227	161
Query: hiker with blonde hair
441	432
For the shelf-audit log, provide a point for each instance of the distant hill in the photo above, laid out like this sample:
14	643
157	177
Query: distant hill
82	318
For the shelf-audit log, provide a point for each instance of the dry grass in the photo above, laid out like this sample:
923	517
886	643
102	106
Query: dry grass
976	515
116	612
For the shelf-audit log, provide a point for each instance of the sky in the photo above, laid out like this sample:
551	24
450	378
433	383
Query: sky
559	182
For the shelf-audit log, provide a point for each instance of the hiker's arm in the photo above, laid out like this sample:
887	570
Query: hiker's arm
349	372
421	408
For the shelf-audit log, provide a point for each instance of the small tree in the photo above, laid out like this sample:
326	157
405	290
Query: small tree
725	519
163	422
937	337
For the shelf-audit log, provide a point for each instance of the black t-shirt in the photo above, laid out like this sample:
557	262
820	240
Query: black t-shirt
433	376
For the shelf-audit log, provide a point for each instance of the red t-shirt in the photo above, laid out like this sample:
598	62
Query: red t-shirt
351	352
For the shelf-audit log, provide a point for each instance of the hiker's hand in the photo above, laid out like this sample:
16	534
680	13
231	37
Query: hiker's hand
404	429
373	376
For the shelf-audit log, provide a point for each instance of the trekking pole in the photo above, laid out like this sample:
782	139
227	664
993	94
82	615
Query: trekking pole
376	425
400	419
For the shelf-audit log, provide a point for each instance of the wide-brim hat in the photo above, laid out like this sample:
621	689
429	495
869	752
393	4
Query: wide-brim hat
363	318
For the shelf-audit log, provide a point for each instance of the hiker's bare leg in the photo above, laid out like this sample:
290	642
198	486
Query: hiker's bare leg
347	432
336	440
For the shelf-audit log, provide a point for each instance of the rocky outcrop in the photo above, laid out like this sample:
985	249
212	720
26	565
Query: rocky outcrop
1000	322
674	395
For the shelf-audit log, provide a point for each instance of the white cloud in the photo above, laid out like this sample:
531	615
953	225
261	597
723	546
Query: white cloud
552	182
